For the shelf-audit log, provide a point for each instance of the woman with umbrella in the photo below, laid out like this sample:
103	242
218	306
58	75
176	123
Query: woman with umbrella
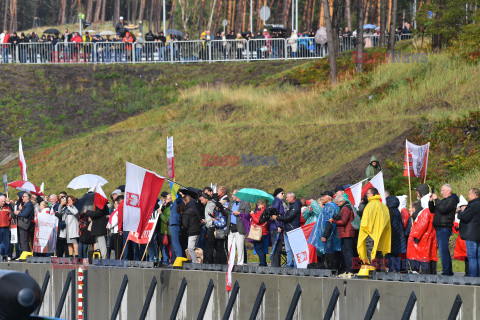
257	222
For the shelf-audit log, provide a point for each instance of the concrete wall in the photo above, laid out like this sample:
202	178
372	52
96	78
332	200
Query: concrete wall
434	301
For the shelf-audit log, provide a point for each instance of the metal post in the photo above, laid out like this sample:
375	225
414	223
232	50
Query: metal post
121	292
44	289
409	307
206	299
455	308
178	300
293	304
258	301
296	15
164	20
251	17
293	15
372	305
414	14
148	299
331	305
80	23
73	297
231	301
64	294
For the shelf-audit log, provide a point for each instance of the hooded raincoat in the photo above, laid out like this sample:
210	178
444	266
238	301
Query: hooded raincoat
371	171
376	224
311	216
333	243
422	229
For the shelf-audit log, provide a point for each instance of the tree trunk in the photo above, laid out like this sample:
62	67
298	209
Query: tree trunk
63	12
35	12
389	15
348	14
89	14
332	60
217	15
134	12
321	18
359	53
129	10
150	16
383	9
286	11
209	25
238	18
366	10
141	14
200	17
393	23
5	15
13	16
244	14
312	14
378	11
335	18
170	23
305	13
104	10
116	11
98	9
259	21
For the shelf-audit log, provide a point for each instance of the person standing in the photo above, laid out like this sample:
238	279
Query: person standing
99	228
191	224
24	216
69	214
373	168
5	219
346	233
275	227
291	220
255	222
444	214
470	231
235	228
209	214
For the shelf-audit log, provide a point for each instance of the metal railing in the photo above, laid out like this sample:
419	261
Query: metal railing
176	51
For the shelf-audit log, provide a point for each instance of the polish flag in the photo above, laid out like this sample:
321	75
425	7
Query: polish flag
231	262
170	159
21	161
303	252
377	183
142	188
354	193
100	199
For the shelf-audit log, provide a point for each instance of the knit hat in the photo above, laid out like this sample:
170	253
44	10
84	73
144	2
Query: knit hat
164	194
277	191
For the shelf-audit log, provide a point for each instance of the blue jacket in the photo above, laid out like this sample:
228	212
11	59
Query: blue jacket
291	219
333	243
277	205
398	234
27	210
175	219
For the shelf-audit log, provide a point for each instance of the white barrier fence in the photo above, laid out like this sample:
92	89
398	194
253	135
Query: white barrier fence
175	51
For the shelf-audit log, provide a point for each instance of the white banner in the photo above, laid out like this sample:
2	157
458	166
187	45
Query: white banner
416	159
299	246
13	235
170	147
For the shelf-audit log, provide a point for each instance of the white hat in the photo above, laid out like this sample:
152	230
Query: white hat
463	202
117	191
121	18
403	202
265	30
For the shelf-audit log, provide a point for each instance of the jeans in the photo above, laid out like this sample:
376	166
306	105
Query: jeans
443	237
473	254
82	250
176	247
290	259
4	240
152	249
347	249
201	242
138	54
165	249
258	245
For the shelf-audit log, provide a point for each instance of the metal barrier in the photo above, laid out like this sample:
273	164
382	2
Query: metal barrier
69	282
258	301
118	302
44	289
372	305
112	51
231	301
178	300
206	299
294	303
148	299
331	305
409	307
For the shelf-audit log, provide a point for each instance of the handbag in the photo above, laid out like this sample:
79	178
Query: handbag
220	234
256	233
165	236
62	225
23	223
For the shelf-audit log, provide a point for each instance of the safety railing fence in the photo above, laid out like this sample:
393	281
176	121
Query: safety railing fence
177	51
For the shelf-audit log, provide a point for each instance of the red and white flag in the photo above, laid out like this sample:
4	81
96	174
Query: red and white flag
142	188
377	183
416	160
147	234
354	193
21	161
231	262
170	159
100	199
303	252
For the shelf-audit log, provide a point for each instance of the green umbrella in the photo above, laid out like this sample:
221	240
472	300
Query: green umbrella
252	195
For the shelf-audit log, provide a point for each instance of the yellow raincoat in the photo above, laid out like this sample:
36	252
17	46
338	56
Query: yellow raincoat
376	224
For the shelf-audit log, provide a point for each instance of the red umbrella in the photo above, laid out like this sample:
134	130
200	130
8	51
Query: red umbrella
26	186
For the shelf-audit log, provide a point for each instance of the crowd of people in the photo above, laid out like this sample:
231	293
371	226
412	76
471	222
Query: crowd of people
124	45
207	227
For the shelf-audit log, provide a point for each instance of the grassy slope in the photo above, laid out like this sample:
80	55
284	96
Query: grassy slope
313	131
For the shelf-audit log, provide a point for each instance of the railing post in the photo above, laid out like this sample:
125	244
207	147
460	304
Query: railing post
258	301
231	301
293	304
455	308
409	307
178	300
121	292
206	299
64	294
372	305
331	305
148	299
44	289
248	51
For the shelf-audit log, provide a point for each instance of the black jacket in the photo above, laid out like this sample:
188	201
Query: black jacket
99	221
291	219
470	221
444	211
191	222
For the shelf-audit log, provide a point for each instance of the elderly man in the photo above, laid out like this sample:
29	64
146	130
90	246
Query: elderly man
444	213
375	230
235	228
291	220
5	218
346	233
24	215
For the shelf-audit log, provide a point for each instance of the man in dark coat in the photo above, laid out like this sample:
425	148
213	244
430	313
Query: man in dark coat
275	227
99	227
398	244
120	28
24	215
291	220
470	231
235	228
444	214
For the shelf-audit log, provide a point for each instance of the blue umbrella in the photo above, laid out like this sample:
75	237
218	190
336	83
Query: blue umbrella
252	195
369	26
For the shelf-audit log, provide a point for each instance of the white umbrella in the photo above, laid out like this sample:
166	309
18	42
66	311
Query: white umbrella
107	33
86	181
321	36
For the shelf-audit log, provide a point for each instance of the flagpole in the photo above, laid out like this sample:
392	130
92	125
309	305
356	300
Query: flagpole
124	246
426	165
146	248
408	170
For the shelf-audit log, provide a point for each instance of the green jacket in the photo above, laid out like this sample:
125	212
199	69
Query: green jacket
311	216
164	217
372	171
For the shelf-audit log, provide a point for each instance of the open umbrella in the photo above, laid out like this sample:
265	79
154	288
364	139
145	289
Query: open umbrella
86	181
107	33
51	31
278	29
91	31
175	32
321	36
192	192
26	186
252	195
369	26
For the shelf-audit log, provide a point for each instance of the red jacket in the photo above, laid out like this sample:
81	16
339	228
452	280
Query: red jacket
5	216
422	229
256	219
344	225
